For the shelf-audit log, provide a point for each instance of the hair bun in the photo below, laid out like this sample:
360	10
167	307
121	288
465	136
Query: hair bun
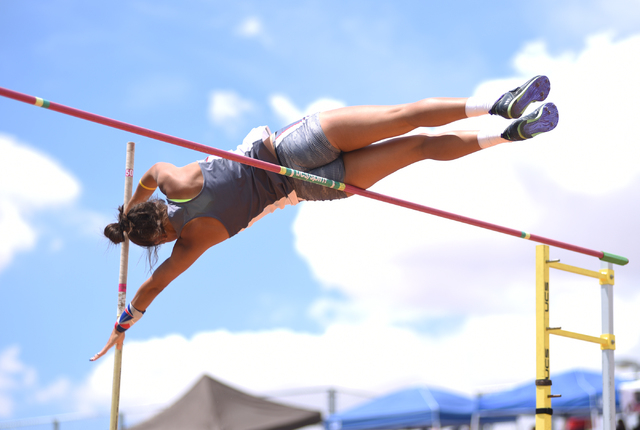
114	233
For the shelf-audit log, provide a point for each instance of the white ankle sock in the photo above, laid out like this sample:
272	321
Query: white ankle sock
487	139
477	106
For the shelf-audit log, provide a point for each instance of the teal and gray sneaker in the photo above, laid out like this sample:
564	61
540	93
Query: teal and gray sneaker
543	119
512	104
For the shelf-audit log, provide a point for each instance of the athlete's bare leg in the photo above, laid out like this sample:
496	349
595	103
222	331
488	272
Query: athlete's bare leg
355	127
366	166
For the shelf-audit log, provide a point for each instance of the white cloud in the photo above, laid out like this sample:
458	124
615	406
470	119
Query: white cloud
595	91
380	358
410	266
57	390
15	234
18	380
250	27
285	109
253	28
88	222
485	352
33	179
29	181
226	108
14	376
288	112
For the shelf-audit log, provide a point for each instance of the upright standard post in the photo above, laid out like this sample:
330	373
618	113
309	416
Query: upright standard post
607	340
543	381
608	372
122	290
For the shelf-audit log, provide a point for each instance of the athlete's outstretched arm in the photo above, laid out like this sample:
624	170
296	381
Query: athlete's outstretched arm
185	253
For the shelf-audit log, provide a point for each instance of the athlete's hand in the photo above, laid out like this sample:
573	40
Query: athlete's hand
116	338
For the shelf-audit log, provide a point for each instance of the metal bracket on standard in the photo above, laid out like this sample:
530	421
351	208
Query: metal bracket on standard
607	277
611	341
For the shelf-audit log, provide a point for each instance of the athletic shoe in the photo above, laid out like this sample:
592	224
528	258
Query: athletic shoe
512	104
543	119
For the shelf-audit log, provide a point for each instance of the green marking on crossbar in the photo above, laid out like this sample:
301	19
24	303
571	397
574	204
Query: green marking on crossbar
615	259
308	177
42	102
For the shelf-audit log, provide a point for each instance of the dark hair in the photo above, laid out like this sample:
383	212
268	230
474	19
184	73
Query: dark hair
143	225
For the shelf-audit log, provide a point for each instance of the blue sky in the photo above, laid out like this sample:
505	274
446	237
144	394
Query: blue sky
308	280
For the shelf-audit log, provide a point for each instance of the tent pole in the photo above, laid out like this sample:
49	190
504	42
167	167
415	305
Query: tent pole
332	400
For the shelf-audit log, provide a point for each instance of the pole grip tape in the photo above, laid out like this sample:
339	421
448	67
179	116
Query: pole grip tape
545	411
543	382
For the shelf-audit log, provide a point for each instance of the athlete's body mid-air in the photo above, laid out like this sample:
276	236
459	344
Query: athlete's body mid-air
211	200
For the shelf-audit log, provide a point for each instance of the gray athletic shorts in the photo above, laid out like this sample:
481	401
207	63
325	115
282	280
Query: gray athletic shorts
303	146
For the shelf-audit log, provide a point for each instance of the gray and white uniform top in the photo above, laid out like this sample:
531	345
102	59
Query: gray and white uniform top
235	194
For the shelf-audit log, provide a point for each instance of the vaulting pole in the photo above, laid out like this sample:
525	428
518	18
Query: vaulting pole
604	256
122	290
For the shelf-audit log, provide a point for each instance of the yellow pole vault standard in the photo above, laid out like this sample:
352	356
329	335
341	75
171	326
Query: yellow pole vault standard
543	376
607	340
122	291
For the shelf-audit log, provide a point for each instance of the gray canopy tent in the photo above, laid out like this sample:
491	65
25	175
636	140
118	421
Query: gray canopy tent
212	405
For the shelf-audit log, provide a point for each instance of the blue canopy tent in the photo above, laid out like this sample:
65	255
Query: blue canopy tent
581	392
410	408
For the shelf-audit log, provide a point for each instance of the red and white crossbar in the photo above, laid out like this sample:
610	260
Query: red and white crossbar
604	256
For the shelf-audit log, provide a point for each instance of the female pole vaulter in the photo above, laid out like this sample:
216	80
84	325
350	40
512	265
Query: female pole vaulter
211	200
